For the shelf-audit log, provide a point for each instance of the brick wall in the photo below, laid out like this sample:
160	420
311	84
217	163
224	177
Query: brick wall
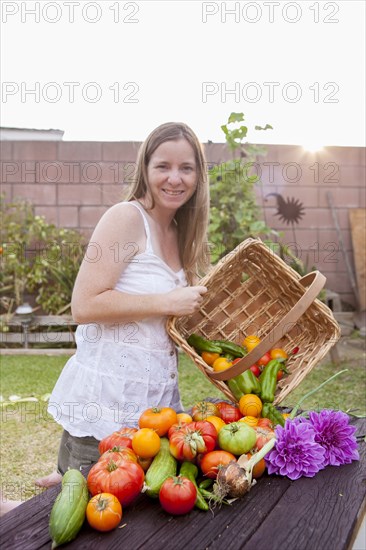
73	183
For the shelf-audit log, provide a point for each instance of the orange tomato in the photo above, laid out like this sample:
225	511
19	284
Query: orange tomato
258	469
104	512
221	363
250	420
251	341
159	419
146	443
278	353
209	357
216	421
182	418
250	405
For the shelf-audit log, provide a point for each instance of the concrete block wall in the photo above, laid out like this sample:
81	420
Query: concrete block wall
73	183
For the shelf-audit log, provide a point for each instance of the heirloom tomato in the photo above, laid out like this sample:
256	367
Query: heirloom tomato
159	419
176	428
265	423
203	409
118	454
177	495
120	438
104	512
211	462
263	435
194	438
146	443
123	480
237	438
229	413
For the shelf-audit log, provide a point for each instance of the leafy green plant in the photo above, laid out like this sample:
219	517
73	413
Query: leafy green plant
235	214
37	258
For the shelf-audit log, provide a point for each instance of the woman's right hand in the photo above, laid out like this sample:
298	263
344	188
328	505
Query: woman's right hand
185	300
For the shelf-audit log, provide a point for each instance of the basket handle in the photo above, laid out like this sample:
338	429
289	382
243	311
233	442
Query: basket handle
316	280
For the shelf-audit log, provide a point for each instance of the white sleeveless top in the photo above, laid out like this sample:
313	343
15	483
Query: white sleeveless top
119	370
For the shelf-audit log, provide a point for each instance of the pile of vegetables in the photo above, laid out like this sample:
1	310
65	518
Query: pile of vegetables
260	379
183	460
207	457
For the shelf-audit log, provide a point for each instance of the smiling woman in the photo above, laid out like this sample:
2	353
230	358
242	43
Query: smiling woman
125	360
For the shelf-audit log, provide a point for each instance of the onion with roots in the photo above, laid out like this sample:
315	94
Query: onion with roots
236	478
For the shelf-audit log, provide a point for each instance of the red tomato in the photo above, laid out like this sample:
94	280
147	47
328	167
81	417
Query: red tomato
211	462
158	419
265	423
295	350
255	370
264	359
124	480
194	438
263	436
229	413
279	374
121	438
177	495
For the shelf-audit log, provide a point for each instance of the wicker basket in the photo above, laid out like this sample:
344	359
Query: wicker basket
252	291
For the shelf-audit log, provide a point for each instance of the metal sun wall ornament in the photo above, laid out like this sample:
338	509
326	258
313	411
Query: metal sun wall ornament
289	210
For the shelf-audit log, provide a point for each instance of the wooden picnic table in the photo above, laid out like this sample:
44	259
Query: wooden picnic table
324	512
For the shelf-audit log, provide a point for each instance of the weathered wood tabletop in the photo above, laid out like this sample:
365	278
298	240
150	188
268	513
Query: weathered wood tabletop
323	512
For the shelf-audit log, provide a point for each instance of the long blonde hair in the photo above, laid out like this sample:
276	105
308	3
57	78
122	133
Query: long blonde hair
192	218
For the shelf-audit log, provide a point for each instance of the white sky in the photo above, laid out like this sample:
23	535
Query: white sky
169	54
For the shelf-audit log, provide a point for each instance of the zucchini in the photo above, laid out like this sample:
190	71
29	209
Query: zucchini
68	511
163	465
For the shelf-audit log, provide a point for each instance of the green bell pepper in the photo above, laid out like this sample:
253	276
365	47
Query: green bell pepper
244	383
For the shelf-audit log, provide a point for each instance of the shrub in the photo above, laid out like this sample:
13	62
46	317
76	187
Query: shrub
37	258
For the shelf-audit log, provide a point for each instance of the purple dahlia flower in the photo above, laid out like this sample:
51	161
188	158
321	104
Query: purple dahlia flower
296	452
335	435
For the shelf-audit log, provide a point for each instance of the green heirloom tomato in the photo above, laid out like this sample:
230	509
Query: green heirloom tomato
237	438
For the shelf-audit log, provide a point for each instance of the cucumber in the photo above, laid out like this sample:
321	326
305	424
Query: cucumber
163	465
68	511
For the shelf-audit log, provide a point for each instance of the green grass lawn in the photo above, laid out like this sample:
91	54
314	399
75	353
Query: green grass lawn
30	437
